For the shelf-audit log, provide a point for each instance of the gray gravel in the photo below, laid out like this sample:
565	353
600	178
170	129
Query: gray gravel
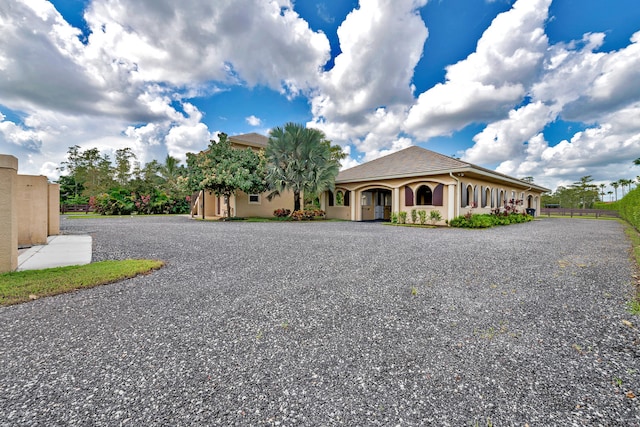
334	324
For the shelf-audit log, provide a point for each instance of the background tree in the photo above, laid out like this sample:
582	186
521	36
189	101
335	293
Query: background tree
124	157
586	192
224	170
87	173
602	187
300	160
615	186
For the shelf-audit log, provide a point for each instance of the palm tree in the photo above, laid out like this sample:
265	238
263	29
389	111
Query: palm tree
615	186
624	182
602	186
610	193
299	160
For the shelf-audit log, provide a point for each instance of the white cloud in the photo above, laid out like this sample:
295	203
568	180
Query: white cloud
503	139
381	43
218	41
129	82
253	120
485	85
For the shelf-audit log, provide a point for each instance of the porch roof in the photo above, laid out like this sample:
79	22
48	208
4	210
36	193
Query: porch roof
417	161
251	139
413	160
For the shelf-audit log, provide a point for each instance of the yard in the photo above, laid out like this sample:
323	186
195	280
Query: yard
328	323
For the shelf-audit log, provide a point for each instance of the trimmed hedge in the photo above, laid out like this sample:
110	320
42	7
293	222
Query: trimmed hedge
488	220
629	208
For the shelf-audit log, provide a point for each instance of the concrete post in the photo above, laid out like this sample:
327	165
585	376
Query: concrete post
8	213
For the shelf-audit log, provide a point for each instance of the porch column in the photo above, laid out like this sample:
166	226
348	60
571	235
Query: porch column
451	201
396	200
8	213
355	205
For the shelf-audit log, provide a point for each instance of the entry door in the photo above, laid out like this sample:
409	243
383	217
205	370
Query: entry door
367	205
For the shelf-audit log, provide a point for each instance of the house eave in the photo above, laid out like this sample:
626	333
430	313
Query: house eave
469	169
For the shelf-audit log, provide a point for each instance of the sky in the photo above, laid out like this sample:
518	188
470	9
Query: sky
539	88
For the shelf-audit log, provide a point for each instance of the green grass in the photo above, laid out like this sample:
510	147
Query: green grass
22	286
586	216
410	225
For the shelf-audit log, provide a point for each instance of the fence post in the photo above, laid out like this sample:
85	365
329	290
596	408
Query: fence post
8	213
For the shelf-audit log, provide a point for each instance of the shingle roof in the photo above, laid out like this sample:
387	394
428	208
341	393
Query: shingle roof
413	160
252	139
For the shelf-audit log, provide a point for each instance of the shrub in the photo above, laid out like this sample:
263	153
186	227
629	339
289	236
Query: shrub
486	221
281	213
423	216
394	218
414	216
402	218
307	215
629	208
434	216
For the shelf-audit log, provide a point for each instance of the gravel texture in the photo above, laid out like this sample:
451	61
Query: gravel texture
334	323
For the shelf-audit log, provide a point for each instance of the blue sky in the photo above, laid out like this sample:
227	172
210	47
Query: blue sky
542	88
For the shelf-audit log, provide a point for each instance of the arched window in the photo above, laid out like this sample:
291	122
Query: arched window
470	196
339	198
493	198
530	202
486	200
424	195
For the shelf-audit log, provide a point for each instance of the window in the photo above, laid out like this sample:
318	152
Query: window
339	198
424	195
254	199
408	196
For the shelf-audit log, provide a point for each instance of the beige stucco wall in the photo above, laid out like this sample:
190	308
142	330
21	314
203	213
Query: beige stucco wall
265	208
53	222
452	198
8	213
32	199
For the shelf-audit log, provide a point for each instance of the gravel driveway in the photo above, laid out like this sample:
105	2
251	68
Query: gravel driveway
334	323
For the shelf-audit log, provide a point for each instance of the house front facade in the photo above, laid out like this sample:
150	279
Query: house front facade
416	178
206	204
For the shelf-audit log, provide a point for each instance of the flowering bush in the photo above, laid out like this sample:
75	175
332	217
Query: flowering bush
281	213
119	201
307	215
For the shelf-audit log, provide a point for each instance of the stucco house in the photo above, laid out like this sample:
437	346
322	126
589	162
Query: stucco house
207	205
413	178
417	178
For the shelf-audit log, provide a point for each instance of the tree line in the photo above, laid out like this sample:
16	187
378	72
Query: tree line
123	186
297	159
584	194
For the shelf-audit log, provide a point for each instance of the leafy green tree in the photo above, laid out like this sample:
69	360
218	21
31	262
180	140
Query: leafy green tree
300	160
88	170
124	157
585	191
224	170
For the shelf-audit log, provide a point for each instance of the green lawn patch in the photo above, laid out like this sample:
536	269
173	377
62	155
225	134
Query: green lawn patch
22	286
